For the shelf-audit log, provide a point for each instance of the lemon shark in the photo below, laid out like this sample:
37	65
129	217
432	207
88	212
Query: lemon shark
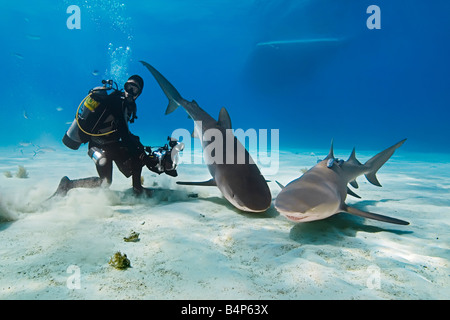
321	191
233	170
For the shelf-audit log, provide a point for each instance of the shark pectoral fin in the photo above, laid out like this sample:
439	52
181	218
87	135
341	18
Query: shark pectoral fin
224	119
279	184
373	216
209	183
350	192
354	184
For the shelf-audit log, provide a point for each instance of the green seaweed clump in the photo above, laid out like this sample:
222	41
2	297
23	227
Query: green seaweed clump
22	173
133	237
8	174
120	261
303	170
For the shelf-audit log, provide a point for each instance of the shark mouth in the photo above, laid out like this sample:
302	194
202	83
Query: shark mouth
295	218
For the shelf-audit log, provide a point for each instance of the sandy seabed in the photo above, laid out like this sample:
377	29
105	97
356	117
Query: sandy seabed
203	248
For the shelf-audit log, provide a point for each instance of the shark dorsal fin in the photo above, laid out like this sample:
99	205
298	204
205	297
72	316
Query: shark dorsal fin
224	119
352	159
331	153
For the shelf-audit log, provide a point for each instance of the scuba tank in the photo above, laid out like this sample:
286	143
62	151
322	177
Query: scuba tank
87	116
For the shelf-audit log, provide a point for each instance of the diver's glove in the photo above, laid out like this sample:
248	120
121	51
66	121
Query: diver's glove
172	173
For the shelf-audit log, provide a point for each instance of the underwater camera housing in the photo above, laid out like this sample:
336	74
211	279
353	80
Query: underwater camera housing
167	156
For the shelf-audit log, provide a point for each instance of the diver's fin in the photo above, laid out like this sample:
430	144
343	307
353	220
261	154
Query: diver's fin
209	183
279	184
171	93
64	186
377	161
373	216
350	192
224	119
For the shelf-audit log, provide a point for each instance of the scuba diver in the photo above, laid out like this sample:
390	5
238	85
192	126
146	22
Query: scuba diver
102	120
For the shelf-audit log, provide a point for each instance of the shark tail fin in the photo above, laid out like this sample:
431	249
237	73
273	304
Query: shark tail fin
374	216
169	90
377	161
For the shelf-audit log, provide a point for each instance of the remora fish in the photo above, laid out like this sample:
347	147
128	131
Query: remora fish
322	190
240	182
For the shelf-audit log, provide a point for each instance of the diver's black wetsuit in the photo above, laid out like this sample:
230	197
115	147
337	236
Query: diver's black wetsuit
120	146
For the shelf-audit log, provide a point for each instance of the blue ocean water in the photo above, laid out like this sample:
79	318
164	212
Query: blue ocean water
312	69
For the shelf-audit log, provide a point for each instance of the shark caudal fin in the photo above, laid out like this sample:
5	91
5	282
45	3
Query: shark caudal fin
171	93
377	161
374	216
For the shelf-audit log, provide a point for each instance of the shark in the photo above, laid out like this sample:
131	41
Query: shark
277	43
232	168
321	191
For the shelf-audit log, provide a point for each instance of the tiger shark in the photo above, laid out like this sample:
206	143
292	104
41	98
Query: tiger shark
321	191
233	170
